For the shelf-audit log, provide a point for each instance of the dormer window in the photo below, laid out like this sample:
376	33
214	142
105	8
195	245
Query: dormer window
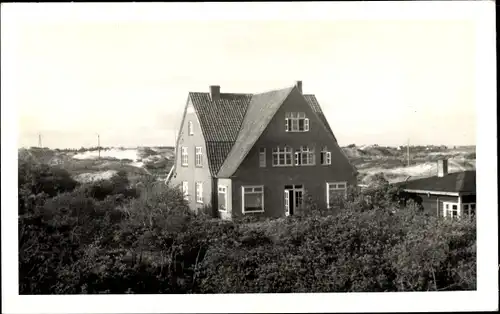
190	128
296	122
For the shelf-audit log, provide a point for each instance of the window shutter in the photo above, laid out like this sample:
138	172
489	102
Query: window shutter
306	124
297	155
286	124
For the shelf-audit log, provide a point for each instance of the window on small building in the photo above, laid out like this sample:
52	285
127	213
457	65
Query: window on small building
184	156
262	157
326	156
296	122
335	194
252	199
185	190
198	157
190	128
222	198
469	210
199	192
282	156
305	156
450	210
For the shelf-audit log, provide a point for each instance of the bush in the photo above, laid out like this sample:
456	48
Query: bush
96	238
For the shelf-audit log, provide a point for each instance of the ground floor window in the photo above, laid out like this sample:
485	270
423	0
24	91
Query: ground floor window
451	210
469	210
252	199
335	193
199	192
185	191
222	198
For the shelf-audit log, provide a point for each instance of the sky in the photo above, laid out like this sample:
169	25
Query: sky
379	81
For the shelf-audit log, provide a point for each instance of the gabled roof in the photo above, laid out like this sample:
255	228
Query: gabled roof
457	182
233	123
260	111
313	102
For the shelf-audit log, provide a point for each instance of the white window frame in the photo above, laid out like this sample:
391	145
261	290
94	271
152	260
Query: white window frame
185	190
336	188
278	152
292	122
262	157
198	157
199	192
326	155
448	207
222	189
253	187
190	128
184	156
309	155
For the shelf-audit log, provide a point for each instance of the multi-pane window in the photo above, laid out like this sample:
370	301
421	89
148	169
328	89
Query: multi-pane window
282	156
198	157
199	192
296	122
190	128
184	156
335	193
469	210
262	157
185	190
326	156
305	156
222	198
450	210
252	199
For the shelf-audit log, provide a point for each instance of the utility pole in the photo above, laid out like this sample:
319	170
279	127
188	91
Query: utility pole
40	140
99	146
408	152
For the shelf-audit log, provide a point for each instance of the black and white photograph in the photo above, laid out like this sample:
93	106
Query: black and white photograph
249	157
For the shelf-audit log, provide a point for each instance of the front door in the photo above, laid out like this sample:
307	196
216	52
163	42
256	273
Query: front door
294	198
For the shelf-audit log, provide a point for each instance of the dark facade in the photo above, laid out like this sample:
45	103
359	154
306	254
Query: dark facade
299	181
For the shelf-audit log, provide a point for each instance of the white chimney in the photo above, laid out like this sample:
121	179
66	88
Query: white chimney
214	92
298	84
442	167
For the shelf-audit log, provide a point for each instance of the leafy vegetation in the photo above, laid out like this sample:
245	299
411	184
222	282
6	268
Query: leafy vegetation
107	237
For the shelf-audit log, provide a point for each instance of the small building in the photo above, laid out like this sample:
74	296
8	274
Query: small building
446	194
259	154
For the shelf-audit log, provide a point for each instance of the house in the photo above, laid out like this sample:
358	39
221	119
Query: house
260	154
446	194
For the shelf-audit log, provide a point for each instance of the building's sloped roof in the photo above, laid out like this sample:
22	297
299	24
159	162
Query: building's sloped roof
220	119
232	124
217	153
313	102
260	111
464	181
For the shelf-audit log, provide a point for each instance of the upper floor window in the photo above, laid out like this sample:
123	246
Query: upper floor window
262	157
305	156
326	156
296	122
184	156
198	157
190	128
282	156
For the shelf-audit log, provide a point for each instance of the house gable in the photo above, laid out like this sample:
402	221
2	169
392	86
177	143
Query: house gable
268	120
